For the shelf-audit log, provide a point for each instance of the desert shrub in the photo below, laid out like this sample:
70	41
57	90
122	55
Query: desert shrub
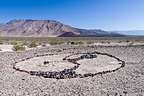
25	43
127	41
56	42
14	43
90	42
80	43
77	43
32	44
43	45
61	42
137	40
108	42
131	44
68	43
119	41
1	42
18	48
102	42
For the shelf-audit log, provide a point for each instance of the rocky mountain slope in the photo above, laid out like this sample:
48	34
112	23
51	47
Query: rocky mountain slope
46	28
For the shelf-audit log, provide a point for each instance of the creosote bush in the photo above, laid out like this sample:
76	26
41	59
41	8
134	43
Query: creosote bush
14	43
127	41
90	42
32	44
56	42
1	42
80	43
25	43
137	40
131	44
76	43
19	48
68	43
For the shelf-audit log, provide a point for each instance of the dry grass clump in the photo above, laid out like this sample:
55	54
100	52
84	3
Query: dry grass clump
56	42
18	48
13	43
32	44
75	43
79	43
1	42
108	42
0	49
137	40
127	41
120	41
90	42
132	43
25	43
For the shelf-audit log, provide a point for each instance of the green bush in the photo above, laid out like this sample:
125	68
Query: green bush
33	44
19	48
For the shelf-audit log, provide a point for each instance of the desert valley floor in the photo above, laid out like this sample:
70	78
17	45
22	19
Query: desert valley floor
128	80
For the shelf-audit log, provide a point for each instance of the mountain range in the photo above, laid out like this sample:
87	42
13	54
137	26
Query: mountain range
48	28
132	32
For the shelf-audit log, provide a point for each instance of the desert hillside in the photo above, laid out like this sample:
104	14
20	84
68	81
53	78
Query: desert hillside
46	28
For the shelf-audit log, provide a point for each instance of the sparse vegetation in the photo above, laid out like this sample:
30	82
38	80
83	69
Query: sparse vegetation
25	43
79	43
32	44
131	43
90	42
1	42
18	48
108	42
43	45
120	41
76	43
127	41
68	43
14	43
137	40
56	42
102	42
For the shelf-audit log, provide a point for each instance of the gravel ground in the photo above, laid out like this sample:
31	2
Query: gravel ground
128	81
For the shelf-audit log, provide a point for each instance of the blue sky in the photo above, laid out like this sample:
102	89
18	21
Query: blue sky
90	14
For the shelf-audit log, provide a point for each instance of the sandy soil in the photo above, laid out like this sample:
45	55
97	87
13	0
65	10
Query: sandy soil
56	63
99	64
8	48
118	44
127	81
5	48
